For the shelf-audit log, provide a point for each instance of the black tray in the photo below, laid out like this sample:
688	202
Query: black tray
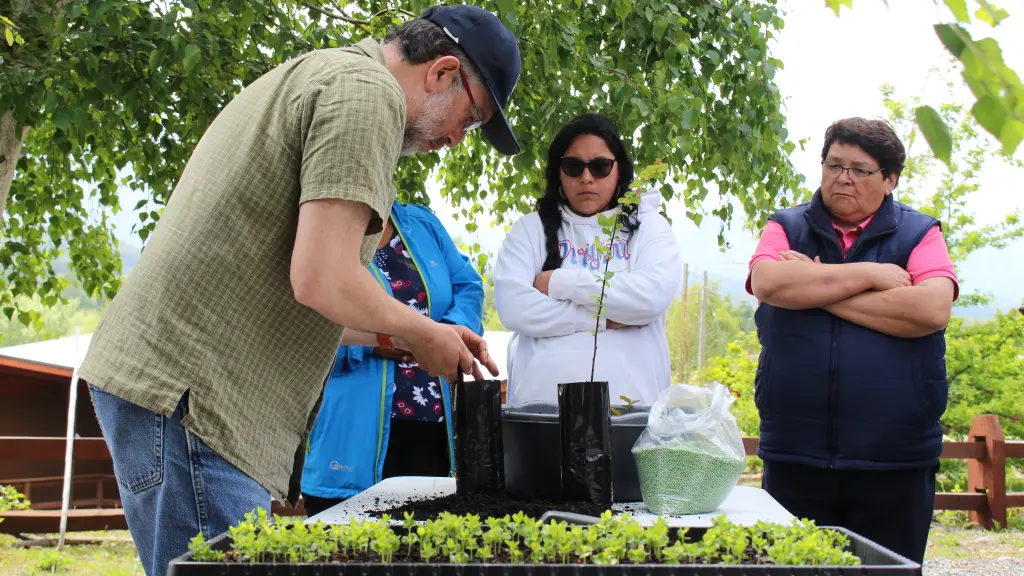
532	461
875	559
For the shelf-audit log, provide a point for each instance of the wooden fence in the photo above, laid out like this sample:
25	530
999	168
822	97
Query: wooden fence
984	497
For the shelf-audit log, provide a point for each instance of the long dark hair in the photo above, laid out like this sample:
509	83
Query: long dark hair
549	205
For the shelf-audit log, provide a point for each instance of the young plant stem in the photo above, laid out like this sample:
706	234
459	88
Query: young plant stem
600	300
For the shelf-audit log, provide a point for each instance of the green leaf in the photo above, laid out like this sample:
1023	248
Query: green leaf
951	38
935	131
687	122
61	118
991	15
659	28
990	113
154	60
959	9
10	36
622	9
50	100
836	4
1011	136
192	55
505	6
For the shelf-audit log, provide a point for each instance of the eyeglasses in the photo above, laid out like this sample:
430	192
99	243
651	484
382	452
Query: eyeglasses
477	119
856	173
599	167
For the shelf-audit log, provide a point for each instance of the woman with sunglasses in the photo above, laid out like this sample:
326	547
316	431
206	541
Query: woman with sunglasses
546	278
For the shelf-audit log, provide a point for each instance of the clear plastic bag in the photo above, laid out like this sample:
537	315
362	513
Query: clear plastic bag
691	454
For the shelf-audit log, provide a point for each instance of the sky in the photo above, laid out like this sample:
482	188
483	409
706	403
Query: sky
833	69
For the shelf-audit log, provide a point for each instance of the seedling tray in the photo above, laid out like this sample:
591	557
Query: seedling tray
875	560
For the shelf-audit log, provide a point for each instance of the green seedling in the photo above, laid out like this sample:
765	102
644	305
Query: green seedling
518	539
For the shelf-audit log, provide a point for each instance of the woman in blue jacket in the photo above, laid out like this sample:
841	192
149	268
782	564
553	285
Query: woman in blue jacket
381	415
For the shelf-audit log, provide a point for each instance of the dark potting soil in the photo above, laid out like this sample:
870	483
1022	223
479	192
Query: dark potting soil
485	506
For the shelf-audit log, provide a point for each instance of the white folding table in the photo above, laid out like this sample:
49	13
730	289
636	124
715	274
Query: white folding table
744	505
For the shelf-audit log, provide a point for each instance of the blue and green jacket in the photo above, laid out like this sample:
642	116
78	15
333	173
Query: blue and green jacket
349	440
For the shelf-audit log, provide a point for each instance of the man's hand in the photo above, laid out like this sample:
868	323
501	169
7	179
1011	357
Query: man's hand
542	281
443	350
478	347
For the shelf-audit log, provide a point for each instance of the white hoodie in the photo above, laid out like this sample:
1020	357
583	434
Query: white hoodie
554	339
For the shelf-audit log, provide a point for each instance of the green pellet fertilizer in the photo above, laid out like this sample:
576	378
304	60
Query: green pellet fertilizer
685	478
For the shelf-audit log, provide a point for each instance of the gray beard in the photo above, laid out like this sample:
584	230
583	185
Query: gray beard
434	110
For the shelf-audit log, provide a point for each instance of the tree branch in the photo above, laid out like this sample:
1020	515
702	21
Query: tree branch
399	10
341	17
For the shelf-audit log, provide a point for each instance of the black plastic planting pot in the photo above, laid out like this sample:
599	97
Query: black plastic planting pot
479	463
875	560
530	434
585	442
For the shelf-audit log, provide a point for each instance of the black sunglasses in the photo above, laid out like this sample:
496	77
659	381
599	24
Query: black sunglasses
599	167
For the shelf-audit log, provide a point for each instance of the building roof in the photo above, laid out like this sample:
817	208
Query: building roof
62	352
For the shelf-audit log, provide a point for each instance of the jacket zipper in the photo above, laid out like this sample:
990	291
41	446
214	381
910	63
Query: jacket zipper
833	386
833	393
833	374
383	392
441	382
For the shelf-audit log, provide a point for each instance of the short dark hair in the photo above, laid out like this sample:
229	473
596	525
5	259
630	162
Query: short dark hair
874	136
419	40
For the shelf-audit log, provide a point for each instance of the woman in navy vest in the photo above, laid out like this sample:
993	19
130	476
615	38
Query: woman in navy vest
855	293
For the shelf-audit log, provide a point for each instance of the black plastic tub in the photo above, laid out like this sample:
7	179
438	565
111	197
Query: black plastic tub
875	560
531	439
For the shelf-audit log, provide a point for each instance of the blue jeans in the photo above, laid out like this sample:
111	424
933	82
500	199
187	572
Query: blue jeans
172	485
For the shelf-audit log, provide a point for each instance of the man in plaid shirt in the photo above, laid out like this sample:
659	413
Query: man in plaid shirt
206	370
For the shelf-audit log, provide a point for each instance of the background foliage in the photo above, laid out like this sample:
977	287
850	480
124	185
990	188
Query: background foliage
997	88
116	94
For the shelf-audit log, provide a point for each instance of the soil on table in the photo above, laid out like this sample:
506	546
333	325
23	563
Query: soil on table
485	506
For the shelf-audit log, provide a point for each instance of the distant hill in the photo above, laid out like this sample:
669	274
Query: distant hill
735	288
729	285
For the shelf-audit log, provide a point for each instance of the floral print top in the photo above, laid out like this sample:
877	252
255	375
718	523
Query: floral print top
417	396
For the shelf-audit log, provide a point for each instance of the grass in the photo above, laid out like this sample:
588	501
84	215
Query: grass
953	537
116	557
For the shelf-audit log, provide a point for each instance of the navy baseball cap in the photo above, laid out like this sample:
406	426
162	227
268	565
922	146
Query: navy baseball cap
494	52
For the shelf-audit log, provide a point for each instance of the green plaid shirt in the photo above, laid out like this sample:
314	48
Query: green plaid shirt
209	309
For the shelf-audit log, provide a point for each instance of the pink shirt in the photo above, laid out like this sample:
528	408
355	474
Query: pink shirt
929	259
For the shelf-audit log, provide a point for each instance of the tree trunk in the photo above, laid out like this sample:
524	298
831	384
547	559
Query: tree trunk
10	151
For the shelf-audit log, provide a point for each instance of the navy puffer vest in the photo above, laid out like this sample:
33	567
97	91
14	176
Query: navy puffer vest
834	394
